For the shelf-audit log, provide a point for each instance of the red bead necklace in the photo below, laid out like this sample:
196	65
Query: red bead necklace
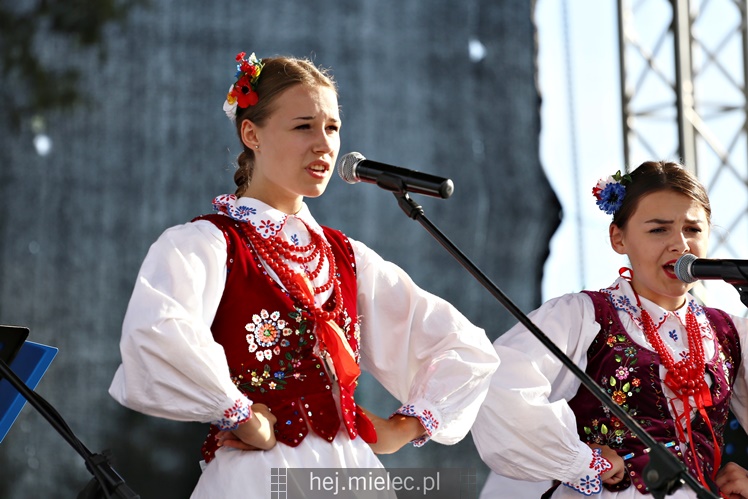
686	378
274	251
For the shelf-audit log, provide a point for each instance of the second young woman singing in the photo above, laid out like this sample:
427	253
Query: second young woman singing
674	365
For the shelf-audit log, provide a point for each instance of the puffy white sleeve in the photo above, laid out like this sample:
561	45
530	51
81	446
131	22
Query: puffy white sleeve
739	400
526	429
421	349
171	366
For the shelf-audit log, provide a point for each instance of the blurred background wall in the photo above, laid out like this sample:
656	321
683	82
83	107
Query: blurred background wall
446	86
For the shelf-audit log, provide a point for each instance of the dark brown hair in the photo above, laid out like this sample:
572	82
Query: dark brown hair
655	176
278	75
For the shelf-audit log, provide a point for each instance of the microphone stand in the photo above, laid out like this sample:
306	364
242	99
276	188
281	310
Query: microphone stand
735	275
743	290
106	482
665	473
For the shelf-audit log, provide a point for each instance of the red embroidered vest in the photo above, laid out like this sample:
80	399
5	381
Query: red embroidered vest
269	342
631	375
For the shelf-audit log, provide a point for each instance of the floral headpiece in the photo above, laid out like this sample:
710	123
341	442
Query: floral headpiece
243	92
609	192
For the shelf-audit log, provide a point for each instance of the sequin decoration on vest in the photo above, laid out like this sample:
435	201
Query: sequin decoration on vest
269	335
631	375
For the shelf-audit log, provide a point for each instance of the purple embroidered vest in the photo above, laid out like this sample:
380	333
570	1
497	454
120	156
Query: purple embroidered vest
631	375
269	343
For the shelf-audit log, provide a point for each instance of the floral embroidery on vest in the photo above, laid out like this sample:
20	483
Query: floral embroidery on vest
254	380
271	344
622	387
617	362
265	332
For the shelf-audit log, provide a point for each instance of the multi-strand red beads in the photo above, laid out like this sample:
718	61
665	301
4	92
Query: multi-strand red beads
274	251
685	377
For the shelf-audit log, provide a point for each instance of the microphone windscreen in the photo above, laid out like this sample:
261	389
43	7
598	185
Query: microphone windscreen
347	166
683	268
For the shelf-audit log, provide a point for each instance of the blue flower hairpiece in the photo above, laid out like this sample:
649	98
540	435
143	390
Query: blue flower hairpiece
610	192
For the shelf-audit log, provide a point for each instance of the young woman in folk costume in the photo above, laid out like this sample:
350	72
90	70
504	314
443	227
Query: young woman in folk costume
674	365
257	318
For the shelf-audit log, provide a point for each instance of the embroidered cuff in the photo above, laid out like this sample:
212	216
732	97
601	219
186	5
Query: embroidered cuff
427	418
234	415
592	483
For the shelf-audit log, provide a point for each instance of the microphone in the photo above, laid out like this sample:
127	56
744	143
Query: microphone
354	167
690	268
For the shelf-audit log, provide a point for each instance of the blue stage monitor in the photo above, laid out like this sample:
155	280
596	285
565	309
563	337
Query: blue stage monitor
28	361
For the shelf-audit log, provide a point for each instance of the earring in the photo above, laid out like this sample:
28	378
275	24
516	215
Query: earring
257	147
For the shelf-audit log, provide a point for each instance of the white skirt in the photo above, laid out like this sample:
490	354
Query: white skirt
240	474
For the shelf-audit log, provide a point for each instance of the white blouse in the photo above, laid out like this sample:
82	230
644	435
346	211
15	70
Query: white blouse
526	429
419	347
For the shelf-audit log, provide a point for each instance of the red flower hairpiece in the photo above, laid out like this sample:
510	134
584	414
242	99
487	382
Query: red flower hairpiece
243	93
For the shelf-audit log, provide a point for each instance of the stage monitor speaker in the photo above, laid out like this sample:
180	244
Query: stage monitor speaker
29	361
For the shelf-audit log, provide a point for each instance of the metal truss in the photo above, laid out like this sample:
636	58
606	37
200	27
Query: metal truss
683	69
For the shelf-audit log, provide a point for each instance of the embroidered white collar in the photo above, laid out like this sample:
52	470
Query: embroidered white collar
267	220
623	298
